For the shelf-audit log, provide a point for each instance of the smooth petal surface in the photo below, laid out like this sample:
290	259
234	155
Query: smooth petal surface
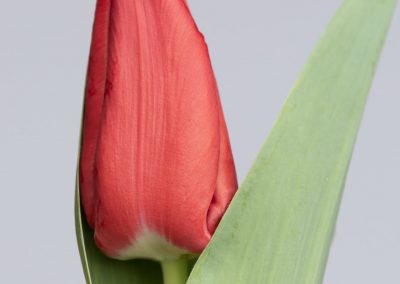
100	269
156	169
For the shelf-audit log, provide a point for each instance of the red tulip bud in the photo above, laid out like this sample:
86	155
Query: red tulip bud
156	168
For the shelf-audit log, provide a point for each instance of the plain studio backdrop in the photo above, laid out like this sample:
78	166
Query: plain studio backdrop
258	48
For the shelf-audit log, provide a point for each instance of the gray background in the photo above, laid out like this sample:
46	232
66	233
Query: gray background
258	48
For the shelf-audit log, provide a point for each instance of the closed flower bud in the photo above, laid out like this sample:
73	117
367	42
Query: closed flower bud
156	168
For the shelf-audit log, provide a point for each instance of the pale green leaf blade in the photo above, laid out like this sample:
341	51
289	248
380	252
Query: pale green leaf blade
279	226
99	269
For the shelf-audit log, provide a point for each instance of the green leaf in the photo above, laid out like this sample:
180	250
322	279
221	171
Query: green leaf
279	227
100	269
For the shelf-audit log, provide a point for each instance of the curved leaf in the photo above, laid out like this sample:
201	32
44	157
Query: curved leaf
279	227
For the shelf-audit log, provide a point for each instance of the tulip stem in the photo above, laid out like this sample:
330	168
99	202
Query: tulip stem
175	271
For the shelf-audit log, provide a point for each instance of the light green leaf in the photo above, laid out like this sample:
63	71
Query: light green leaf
279	227
100	269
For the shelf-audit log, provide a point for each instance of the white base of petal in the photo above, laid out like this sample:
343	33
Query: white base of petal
152	246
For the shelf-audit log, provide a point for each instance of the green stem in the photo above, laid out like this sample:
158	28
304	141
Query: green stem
175	271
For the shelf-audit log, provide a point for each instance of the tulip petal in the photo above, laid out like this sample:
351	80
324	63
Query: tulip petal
100	269
95	85
156	162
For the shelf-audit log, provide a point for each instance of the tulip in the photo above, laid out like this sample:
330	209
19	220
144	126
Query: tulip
156	168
